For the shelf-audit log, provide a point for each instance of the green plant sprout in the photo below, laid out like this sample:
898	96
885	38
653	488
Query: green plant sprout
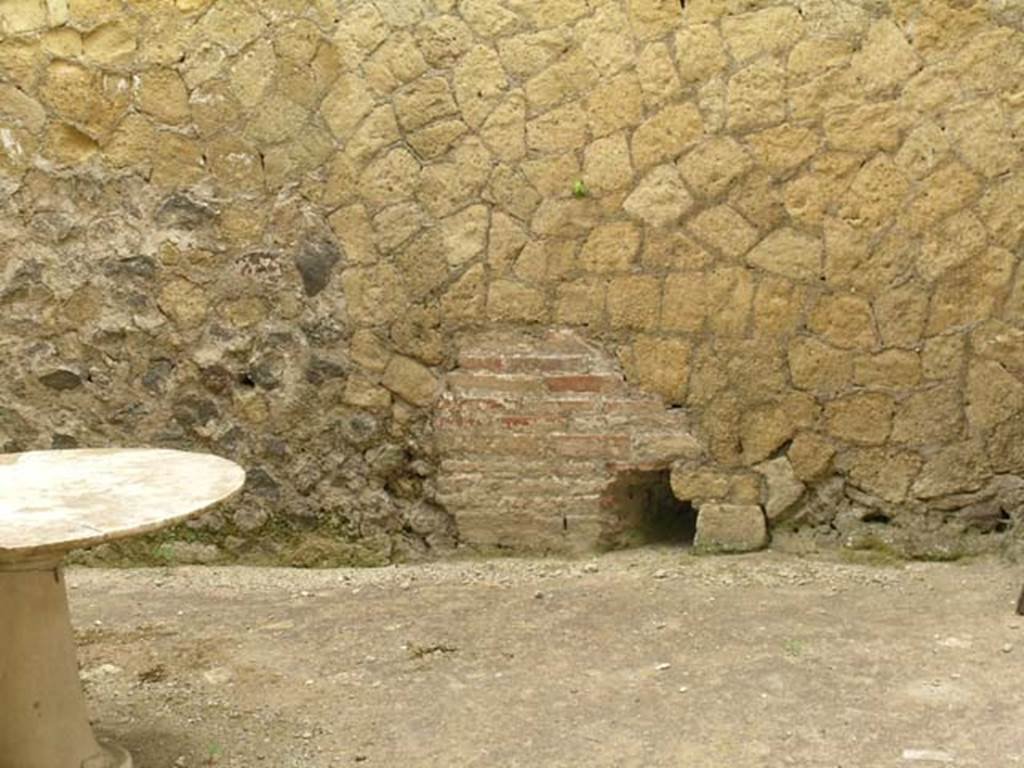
579	189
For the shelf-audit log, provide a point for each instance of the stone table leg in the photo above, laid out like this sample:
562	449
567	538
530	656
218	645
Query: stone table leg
43	719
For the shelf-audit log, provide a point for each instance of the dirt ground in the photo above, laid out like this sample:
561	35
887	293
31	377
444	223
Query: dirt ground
643	658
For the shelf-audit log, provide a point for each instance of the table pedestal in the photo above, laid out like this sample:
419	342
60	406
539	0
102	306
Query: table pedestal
43	719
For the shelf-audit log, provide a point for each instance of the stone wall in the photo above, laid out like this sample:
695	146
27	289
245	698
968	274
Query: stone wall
266	229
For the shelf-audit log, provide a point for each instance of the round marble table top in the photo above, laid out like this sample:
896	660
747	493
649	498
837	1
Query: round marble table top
55	501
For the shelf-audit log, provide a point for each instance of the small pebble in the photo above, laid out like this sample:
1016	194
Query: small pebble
661	573
590	568
538	595
663	666
1008	648
683	688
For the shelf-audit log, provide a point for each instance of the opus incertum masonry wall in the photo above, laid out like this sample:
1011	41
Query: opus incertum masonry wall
769	250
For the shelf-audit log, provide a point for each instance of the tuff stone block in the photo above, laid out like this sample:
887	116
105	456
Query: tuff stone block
730	528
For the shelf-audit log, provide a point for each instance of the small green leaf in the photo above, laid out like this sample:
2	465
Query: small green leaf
579	188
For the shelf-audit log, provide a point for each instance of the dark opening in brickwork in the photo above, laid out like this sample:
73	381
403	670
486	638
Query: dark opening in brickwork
645	512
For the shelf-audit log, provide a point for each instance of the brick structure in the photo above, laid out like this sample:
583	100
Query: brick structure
545	446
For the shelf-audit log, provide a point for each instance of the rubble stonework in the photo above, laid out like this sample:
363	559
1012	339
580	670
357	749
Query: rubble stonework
265	228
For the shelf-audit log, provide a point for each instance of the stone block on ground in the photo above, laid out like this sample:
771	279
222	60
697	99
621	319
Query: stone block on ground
723	528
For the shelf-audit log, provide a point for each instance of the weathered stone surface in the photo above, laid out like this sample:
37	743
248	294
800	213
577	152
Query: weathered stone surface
661	365
443	39
660	199
764	429
730	528
892	369
714	166
886	59
504	130
581	302
901	313
946	190
960	238
969	293
347	103
410	381
508	300
20	109
666	135
610	248
479	82
464	300
860	418
981	133
548	175
607	165
561	129
1006	445
66	144
788	253
373	294
993	394
756	96
884	472
659	79
652	18
699	52
699	485
923	149
567	78
634	302
721	299
615	105
943	357
813	55
725	230
877	189
771	30
423	102
865	128
810	456
184	302
784	148
844	321
778	304
465	234
959	468
784	489
932	417
1001	207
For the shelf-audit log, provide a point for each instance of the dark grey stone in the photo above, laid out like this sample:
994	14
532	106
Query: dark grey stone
62	380
184	212
315	261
